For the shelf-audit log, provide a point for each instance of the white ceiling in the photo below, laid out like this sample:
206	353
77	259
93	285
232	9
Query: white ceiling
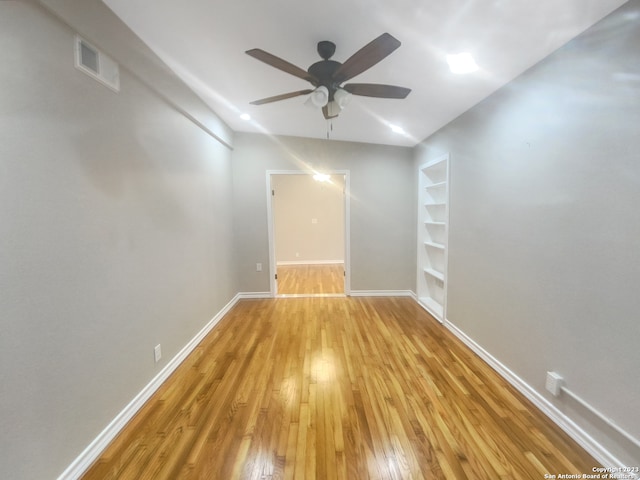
204	41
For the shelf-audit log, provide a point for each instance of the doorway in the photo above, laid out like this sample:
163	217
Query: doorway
308	216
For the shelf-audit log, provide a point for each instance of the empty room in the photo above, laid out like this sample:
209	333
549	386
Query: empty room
355	240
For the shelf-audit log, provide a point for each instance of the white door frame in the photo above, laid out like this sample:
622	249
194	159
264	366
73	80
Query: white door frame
347	229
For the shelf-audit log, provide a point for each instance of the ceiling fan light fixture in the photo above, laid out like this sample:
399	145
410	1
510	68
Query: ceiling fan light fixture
309	103
333	109
342	97
320	96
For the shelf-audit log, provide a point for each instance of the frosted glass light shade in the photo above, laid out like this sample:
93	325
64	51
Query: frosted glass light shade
342	97
320	96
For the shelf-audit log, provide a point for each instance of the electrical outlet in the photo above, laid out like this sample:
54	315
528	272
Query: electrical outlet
258	267
554	383
157	353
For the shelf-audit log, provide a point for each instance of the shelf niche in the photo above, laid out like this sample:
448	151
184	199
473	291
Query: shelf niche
433	229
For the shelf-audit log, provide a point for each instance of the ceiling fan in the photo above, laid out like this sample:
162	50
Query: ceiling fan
327	76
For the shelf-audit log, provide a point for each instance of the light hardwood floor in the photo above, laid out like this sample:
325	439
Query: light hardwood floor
336	388
311	279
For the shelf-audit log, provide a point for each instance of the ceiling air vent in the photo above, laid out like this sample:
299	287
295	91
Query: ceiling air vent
96	64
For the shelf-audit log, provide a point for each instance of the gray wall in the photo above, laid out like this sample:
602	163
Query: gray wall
115	235
544	262
383	234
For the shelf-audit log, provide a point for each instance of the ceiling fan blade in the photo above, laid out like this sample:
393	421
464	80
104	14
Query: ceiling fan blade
376	90
281	64
283	96
366	57
327	114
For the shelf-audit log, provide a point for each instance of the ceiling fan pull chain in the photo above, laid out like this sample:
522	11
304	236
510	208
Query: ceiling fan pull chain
329	126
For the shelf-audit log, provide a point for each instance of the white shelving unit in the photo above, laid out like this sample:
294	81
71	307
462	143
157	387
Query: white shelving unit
433	229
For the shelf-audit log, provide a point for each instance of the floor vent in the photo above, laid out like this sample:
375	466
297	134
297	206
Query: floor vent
96	64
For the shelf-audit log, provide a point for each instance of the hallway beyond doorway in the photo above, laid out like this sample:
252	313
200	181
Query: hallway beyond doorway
308	218
317	279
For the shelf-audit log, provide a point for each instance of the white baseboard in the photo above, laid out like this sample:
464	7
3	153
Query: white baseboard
381	293
309	262
90	454
243	295
586	441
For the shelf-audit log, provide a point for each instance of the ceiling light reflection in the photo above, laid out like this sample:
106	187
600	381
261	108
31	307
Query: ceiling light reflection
462	63
324	369
322	177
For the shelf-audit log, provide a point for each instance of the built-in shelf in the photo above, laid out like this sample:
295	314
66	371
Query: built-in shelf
435	245
434	274
433	307
432	236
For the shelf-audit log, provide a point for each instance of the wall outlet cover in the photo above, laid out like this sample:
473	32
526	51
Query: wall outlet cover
554	383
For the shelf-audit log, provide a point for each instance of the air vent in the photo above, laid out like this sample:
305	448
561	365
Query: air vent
96	64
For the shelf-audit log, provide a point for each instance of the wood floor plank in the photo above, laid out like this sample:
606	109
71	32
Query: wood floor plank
311	279
336	388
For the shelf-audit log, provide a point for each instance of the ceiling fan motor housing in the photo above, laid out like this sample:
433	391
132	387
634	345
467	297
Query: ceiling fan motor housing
324	69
